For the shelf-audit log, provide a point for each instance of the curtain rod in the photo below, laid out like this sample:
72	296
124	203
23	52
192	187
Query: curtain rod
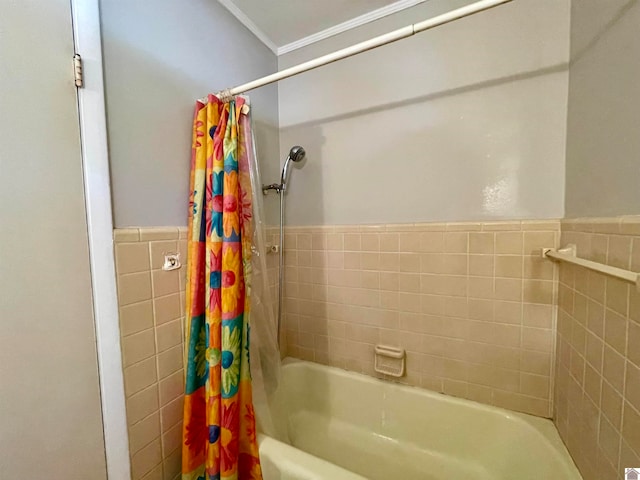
375	42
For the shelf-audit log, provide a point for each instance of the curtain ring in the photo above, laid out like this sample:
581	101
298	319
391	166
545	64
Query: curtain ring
225	95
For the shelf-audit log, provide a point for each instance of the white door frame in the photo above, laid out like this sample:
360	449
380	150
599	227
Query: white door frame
95	163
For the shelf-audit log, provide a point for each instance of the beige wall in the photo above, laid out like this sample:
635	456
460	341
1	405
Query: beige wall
471	303
158	59
597	407
151	324
50	419
603	143
464	122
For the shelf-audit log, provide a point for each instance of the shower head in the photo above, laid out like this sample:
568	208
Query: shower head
296	154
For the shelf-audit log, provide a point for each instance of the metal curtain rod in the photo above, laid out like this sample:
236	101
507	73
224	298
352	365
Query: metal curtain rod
568	255
376	42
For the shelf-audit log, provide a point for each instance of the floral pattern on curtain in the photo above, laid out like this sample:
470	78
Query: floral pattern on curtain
219	434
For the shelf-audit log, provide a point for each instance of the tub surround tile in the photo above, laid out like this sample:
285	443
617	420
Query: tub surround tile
131	257
144	432
142	404
597	398
469	302
126	235
134	288
136	317
151	305
145	460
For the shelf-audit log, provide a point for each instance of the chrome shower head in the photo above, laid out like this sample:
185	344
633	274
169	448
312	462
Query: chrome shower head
296	154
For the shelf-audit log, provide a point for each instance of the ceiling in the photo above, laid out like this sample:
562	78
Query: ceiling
284	25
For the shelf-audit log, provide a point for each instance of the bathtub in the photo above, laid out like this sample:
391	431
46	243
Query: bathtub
347	426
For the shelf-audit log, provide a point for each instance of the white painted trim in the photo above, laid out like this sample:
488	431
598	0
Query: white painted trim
247	22
95	163
356	22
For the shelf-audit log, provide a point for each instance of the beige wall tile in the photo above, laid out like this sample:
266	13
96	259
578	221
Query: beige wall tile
142	404
290	241
134	288
432	242
538	339
456	242
609	440
168	335
171	387
509	266
615	331
481	265
481	287
159	233
537	268
139	376
535	362
633	340
538	291
534	241
536	315
631	427
534	385
617	295
144	432
171	465
126	235
303	241
138	346
172	413
481	243
166	308
145	460
509	243
154	474
455	264
613	368
620	251
131	257
165	283
508	312
335	241
171	439
508	289
370	242
136	317
611	405
409	262
170	361
389	242
409	242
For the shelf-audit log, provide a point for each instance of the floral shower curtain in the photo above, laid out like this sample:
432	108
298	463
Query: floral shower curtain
219	435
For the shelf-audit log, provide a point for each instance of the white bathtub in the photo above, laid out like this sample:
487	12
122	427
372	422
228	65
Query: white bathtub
346	426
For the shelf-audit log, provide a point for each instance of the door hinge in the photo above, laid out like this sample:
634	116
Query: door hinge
77	70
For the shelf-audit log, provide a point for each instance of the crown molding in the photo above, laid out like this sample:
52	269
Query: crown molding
348	25
355	22
247	22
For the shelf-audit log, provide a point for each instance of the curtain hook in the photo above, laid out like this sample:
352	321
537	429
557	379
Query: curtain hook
225	95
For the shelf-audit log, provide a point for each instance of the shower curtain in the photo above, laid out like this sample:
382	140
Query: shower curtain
219	432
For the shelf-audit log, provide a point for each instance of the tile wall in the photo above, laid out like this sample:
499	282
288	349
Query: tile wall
471	303
151	305
597	393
